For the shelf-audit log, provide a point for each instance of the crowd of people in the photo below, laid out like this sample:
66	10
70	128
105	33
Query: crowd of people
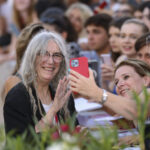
37	39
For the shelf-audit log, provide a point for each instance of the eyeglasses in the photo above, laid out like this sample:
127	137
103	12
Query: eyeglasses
57	57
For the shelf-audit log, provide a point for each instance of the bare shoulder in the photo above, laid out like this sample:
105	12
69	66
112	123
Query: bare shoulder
12	79
10	83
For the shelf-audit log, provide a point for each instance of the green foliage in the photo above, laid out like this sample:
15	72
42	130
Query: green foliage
2	137
142	110
69	139
107	140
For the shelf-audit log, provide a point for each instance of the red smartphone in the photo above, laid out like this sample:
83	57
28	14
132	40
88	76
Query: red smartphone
80	65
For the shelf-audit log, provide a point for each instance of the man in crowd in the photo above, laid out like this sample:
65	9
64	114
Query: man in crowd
97	33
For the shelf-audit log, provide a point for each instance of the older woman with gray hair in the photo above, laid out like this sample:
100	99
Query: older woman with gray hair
34	102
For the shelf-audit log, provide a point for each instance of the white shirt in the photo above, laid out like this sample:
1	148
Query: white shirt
46	108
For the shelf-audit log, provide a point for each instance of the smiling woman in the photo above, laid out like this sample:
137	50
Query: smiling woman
43	71
130	75
131	30
48	62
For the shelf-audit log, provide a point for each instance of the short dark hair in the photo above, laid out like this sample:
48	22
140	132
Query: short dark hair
142	41
42	5
101	20
49	12
55	17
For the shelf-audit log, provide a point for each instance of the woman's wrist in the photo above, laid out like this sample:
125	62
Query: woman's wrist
50	115
98	95
54	109
101	96
42	125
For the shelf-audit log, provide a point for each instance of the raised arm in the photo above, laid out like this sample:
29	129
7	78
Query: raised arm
61	97
87	87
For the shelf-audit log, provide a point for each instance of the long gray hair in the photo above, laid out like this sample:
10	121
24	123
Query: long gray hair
38	45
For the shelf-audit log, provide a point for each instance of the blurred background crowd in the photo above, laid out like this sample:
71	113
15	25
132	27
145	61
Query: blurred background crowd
106	31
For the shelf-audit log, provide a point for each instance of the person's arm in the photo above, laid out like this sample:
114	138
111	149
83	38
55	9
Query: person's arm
18	112
61	97
87	87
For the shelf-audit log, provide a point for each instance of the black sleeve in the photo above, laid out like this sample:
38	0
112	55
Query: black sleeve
71	108
17	110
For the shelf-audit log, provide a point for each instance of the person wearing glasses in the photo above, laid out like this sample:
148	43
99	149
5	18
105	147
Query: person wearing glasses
41	99
130	76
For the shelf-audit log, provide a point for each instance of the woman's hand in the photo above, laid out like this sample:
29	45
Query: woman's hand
86	87
107	72
62	95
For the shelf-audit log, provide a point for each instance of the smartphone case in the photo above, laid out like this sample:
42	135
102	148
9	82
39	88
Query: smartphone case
80	65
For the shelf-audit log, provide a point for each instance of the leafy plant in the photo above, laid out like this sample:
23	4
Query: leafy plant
142	110
2	137
68	137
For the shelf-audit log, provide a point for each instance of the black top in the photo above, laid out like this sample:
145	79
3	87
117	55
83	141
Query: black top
147	136
18	112
5	39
